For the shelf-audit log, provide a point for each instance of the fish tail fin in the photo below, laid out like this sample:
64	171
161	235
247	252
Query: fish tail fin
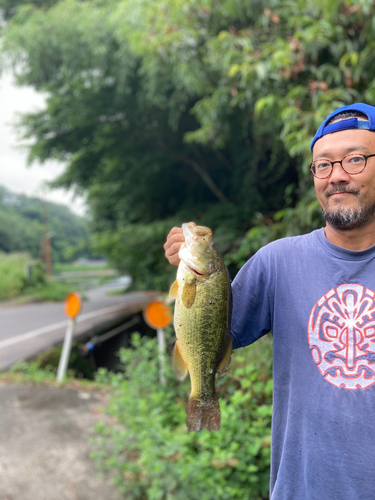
203	414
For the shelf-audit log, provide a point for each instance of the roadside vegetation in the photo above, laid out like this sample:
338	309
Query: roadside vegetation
37	372
13	274
30	372
43	369
149	450
25	279
67	267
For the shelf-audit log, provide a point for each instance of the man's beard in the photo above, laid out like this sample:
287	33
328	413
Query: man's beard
345	218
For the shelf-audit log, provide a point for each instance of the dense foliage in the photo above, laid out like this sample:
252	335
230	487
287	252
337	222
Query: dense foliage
152	455
177	110
23	222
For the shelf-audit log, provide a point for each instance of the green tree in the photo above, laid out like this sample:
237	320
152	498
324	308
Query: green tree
173	110
22	227
9	8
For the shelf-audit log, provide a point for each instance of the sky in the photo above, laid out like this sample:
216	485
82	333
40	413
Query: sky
15	174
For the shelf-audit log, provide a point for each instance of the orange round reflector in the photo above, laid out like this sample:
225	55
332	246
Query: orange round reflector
157	314
72	305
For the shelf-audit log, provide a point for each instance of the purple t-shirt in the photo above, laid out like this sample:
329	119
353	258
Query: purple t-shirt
318	300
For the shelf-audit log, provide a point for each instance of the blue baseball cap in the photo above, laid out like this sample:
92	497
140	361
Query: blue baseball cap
347	123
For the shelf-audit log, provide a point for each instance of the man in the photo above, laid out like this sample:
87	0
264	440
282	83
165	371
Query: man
316	293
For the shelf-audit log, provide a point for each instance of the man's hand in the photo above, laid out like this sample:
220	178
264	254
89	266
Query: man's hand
173	244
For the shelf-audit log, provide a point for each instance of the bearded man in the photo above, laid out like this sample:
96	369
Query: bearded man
316	293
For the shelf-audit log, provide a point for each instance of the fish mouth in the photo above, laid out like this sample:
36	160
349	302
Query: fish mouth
196	238
190	260
194	233
195	271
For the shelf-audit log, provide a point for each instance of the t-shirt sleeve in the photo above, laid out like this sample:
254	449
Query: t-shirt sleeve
251	316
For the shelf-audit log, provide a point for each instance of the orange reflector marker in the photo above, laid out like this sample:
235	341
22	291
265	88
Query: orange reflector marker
157	315
72	305
72	309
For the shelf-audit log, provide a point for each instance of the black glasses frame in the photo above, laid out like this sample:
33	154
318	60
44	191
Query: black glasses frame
366	157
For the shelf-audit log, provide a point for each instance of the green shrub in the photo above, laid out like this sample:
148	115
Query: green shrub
36	274
12	274
149	450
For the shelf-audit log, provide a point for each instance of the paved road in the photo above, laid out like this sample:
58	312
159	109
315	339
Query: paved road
44	447
26	330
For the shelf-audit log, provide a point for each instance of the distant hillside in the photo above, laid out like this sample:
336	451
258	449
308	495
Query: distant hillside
22	227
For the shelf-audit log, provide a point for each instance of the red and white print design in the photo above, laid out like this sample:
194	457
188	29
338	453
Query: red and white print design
341	334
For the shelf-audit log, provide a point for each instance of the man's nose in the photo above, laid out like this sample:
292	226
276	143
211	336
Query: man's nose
338	173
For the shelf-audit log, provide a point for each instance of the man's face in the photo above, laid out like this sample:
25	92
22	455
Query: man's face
347	201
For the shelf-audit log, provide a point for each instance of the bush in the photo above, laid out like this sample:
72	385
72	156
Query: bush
12	274
151	453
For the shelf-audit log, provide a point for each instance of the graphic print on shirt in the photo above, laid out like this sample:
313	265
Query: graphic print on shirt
341	335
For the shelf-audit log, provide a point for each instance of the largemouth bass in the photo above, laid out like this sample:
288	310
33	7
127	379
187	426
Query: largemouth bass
202	324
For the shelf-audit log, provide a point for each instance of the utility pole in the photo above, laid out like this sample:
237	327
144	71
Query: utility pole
47	254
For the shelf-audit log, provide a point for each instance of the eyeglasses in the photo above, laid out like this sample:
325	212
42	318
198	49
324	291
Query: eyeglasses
352	164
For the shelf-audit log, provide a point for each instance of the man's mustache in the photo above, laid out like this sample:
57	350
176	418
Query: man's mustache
340	189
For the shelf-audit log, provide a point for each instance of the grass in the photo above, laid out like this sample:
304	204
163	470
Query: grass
120	291
63	267
31	372
42	369
52	291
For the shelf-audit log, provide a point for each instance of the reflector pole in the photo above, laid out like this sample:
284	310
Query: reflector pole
162	355
158	316
65	353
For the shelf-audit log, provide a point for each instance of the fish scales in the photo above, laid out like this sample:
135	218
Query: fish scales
202	332
202	324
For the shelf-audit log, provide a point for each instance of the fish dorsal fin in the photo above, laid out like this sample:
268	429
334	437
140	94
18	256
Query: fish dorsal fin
173	291
179	365
225	362
188	293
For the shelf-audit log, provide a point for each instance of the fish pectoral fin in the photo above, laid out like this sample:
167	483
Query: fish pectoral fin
179	366
173	291
188	294
225	362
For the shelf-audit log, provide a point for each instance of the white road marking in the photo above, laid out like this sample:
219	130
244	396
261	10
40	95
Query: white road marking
56	326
